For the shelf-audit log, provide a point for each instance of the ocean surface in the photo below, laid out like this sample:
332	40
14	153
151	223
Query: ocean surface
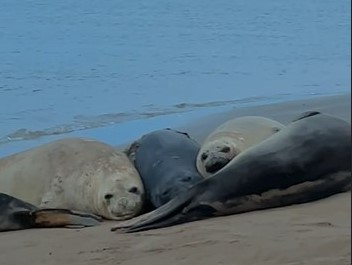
113	70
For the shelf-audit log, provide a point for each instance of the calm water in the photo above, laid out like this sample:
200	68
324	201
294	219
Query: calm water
115	69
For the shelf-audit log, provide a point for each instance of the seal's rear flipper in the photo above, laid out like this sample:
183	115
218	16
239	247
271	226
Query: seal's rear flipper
306	115
63	218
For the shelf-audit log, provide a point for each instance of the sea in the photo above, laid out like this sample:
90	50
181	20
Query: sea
114	70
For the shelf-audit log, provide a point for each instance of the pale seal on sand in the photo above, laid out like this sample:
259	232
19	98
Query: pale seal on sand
310	159
77	174
166	162
16	214
231	138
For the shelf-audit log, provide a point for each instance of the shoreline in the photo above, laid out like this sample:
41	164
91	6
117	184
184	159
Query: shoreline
196	123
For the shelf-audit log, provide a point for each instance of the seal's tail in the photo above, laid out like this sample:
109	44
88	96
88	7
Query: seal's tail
47	218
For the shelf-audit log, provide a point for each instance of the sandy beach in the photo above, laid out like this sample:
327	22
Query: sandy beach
312	233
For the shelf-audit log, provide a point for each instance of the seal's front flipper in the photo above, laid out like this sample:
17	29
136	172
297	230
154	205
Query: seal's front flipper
191	213
156	218
63	218
168	214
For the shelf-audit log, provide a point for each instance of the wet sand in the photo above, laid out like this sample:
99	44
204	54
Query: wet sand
312	233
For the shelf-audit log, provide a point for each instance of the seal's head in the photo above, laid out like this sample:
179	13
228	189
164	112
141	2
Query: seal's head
119	189
120	198
216	154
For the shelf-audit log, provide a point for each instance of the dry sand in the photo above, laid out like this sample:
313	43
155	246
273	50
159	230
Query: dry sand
312	233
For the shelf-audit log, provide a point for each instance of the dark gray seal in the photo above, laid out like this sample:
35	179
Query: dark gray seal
16	214
308	160
166	162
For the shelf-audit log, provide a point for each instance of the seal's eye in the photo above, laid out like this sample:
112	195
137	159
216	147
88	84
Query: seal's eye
165	193
133	190
204	156
108	196
225	149
186	179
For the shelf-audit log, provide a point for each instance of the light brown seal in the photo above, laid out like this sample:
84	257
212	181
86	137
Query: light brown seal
231	138
77	174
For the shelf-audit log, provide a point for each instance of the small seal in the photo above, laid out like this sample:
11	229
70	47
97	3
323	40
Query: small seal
231	138
77	174
166	162
308	160
16	214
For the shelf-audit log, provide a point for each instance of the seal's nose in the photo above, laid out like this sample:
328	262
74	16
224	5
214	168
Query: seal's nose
215	164
123	202
225	149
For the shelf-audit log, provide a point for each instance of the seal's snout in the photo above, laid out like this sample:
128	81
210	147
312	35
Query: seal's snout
120	208
215	164
123	208
125	203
